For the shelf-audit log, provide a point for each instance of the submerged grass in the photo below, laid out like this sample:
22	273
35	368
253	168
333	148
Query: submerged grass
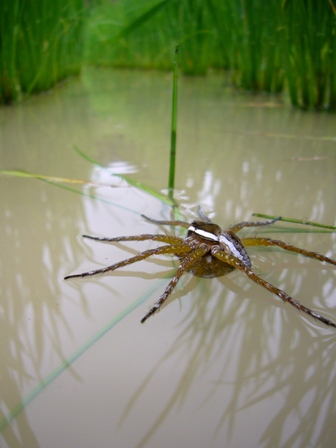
49	379
40	44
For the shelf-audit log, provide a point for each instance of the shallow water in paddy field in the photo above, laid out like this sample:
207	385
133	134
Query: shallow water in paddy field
225	363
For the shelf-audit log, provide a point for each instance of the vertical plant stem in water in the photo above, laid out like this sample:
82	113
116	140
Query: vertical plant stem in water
172	158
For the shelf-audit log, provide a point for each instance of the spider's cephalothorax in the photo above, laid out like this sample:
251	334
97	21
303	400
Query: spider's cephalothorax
211	236
208	251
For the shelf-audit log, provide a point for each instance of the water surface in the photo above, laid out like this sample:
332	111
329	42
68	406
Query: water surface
225	363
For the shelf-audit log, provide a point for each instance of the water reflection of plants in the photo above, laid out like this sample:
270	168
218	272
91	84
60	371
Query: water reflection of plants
56	234
202	326
234	349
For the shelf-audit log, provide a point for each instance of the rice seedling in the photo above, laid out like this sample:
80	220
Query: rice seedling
171	180
309	49
262	46
40	44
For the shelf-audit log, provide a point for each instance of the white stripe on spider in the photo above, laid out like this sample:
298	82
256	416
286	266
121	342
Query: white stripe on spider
223	239
203	233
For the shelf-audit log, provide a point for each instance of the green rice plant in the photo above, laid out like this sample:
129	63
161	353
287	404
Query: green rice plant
309	48
247	34
172	159
233	35
40	44
143	35
262	46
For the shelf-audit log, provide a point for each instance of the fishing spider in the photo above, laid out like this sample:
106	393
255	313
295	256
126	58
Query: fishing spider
208	251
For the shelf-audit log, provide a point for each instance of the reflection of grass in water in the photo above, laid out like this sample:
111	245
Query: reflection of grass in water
53	375
267	359
59	182
69	361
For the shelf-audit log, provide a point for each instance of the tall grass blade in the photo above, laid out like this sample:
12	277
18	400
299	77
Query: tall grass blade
143	18
172	158
40	44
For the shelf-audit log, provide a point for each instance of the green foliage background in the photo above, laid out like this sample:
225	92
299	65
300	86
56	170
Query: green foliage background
41	43
260	46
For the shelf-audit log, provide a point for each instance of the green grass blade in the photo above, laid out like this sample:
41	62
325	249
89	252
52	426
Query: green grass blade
68	362
55	179
58	183
172	159
139	21
127	179
296	221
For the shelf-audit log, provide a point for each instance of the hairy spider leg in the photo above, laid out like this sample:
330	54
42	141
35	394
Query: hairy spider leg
185	265
240	225
174	249
203	216
169	239
289	247
282	294
168	223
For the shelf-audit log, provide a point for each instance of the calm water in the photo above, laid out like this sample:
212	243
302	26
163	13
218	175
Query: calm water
224	364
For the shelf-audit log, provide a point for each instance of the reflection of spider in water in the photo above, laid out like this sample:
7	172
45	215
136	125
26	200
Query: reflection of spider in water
209	252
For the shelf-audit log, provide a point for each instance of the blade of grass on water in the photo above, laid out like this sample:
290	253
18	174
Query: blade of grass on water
69	361
296	221
58	182
65	180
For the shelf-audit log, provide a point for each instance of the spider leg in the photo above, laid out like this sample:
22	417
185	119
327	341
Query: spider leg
282	294
286	246
168	223
185	265
203	216
170	249
169	239
240	225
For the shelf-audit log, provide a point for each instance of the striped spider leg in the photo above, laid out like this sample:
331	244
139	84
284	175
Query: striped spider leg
176	246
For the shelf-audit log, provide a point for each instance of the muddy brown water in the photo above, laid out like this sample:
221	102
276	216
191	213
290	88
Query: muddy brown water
225	363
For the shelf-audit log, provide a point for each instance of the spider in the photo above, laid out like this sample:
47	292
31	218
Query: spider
208	251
